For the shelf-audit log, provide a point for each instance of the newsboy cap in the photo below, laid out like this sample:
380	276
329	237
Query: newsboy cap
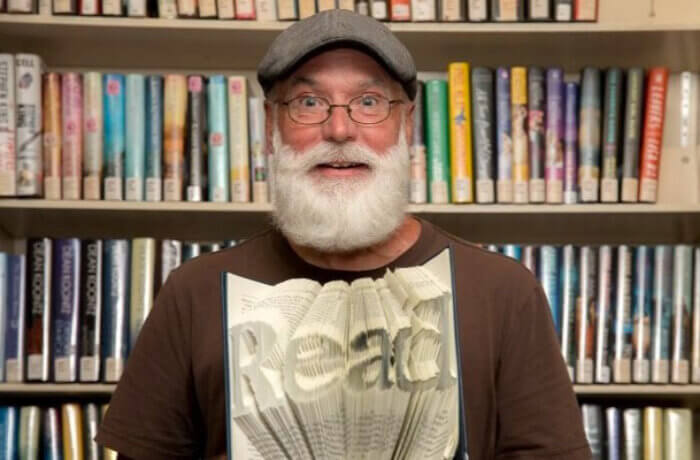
333	28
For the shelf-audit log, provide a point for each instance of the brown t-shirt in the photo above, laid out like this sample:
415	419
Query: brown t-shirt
519	401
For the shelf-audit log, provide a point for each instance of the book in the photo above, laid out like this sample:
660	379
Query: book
217	105
91	422
72	419
38	312
632	134
623	332
519	130
415	403
29	432
238	139
197	138
167	9
207	8
245	9
307	8
107	453
678	434
258	155
114	135
483	121
9	431
418	187
642	313
266	10
478	10
28	68
682	313
171	257
613	436
136	8
52	135
4	304
225	9
513	251
186	8
21	6
437	136
346	5
592	416
609	184
190	250
452	11
135	157
652	134
113	8
8	152
504	140
72	118
65	298
461	170
90	7
554	137
92	135
422	10
91	310
536	132
154	138
115	305
14	335
507	10
586	314
661	319
653	433
569	296
51	437
695	353
606	284
174	115
538	10
585	10
143	255
563	10
529	258
400	10
632	433
589	135
549	277
571	108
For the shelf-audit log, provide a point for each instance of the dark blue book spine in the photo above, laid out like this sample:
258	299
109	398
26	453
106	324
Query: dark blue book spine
51	439
91	310
589	135
663	308
4	298
14	323
115	324
9	433
569	294
504	142
549	277
154	138
642	309
554	137
571	144
536	125
612	116
66	299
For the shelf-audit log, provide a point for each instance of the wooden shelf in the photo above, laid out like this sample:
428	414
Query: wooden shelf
56	389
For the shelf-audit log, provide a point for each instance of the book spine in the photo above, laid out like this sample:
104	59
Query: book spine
325	5
452	11
196	137
52	136
91	310
571	144
346	5
38	311
66	314
72	432
483	117
613	433
307	8
154	138
642	313
135	158
536	130
51	441
91	422
378	10
513	251
504	140
4	302
529	258
72	155
678	434
15	323
622	349
592	416
518	97
207	8
603	314
238	139
437	134
418	187
554	137
661	321
632	135
115	303
585	10
8	106
632	426
611	128
167	9
107	453
65	7
422	10
653	433
185	8
113	8
652	134
569	294
225	9
28	69
258	156
9	432
589	135
143	255
460	133
400	10
171	257
539	10
586	315
191	250
175	112
695	374
114	136
478	10
21	6
245	9
682	311
218	139
90	7
136	8
287	10
507	10
29	431
549	277
266	10
92	135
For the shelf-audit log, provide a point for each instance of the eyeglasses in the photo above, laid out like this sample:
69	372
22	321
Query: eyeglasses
367	109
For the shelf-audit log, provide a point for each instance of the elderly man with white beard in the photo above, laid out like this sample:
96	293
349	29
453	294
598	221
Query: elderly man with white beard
339	107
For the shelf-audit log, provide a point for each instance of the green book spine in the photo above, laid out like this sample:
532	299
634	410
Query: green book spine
632	135
438	141
611	134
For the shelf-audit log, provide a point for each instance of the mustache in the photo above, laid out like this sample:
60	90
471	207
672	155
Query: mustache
327	152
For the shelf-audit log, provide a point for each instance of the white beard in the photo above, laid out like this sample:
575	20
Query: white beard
339	215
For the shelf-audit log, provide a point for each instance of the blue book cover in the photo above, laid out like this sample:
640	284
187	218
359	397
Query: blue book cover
190	251
90	310
554	136
606	289
504	141
9	433
663	309
115	320
51	439
682	312
586	313
613	436
114	135
14	321
642	309
135	161
513	251
571	144
4	302
66	301
569	294
154	138
549	277
217	107
589	135
622	316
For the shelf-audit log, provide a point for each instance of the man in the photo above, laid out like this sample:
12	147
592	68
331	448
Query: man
339	90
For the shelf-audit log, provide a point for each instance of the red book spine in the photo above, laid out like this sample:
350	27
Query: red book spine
400	10
652	134
585	10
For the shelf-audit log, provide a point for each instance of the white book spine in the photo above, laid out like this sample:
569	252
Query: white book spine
423	10
167	9
478	11
678	434
92	135
207	8
29	124
8	152
186	8
266	10
452	10
225	9
379	9
258	155
21	6
238	139
112	8
287	10
682	311
60	6
622	361
136	8
602	352
539	10
89	7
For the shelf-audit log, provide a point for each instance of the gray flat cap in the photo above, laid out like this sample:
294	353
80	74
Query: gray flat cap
332	28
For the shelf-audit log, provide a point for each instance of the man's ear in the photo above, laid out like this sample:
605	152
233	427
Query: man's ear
269	125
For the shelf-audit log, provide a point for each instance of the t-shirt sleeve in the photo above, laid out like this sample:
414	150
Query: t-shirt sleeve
152	414
538	416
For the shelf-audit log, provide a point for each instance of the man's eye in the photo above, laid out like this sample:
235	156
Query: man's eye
369	101
308	102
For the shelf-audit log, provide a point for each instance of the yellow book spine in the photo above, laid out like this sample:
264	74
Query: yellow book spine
174	113
460	132
653	433
107	453
518	99
72	432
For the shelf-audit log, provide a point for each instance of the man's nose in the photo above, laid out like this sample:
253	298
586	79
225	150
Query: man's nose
339	127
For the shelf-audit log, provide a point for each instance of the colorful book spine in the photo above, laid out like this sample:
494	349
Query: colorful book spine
421	10
632	432
15	320
52	136
143	256
478	10
653	433
438	138
9	432
72	432
8	152
51	439
554	137
682	313
38	312
135	158
258	156
589	135
623	335
612	114
66	313
571	144
91	310
92	135
592	416
507	10
613	435
400	10
218	139
642	313
170	256
652	134
483	119
504	140
695	373
606	284
539	10
115	304
114	135
72	155
663	308
536	132
91	423
549	277
266	10
29	432
518	97
238	139
154	138
452	11
513	251
28	68
632	135
569	294
586	315
418	186
175	111
196	137
460	133
4	301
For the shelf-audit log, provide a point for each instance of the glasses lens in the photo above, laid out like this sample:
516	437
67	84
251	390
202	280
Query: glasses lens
369	108
308	109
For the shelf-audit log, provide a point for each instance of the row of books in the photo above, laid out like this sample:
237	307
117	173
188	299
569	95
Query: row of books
649	433
623	314
65	431
286	10
71	309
